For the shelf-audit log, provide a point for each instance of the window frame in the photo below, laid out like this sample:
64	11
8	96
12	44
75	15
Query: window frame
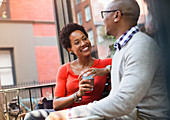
89	34
87	11
12	67
78	18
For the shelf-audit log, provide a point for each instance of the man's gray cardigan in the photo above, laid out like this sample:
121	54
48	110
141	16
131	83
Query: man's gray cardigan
138	83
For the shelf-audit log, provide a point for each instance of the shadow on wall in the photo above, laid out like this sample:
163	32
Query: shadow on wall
163	18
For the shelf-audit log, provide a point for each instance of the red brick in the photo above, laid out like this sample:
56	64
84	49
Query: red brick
43	30
48	62
32	10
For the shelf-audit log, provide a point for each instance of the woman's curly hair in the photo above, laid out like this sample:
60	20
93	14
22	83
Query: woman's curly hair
66	31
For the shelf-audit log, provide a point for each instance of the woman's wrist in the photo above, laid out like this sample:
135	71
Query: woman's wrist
77	98
78	94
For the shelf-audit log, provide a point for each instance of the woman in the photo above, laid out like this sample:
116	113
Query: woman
69	91
74	39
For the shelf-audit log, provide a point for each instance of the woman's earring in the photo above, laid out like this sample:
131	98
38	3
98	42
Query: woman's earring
71	52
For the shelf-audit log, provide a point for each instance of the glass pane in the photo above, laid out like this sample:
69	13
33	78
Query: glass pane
6	77
77	2
79	17
87	13
147	23
91	37
5	58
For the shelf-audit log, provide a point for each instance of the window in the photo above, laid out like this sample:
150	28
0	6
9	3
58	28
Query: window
6	67
100	34
91	37
87	13
79	17
3	9
83	0
77	2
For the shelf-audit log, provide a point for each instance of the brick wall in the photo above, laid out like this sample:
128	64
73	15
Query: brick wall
47	62
42	30
31	10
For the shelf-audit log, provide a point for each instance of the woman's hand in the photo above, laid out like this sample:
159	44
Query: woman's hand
84	85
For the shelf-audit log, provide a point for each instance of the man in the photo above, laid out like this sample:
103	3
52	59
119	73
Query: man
137	75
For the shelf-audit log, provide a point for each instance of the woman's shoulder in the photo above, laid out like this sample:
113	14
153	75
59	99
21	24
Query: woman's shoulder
64	66
63	69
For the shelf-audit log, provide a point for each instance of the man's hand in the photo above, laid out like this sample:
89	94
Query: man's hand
58	115
95	72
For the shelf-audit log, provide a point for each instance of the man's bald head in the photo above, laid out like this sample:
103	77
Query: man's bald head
129	8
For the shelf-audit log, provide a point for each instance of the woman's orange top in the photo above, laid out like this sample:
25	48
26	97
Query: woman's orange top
67	82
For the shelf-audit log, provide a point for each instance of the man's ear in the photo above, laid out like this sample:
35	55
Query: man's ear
117	16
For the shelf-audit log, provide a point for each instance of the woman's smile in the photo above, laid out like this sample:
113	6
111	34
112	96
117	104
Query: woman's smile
84	49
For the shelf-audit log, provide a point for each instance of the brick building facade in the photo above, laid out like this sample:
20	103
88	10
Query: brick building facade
29	33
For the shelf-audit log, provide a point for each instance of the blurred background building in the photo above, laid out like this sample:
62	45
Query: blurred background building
28	45
29	48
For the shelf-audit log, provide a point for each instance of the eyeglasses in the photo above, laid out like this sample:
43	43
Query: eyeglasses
103	13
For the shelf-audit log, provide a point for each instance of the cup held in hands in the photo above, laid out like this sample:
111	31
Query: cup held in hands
89	78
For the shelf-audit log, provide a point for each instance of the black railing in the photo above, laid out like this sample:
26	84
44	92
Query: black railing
29	88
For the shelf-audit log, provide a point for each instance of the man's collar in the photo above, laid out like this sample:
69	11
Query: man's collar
124	38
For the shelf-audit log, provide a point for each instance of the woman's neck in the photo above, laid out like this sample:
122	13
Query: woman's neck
81	64
85	62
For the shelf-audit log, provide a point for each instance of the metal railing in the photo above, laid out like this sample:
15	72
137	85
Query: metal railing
29	88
